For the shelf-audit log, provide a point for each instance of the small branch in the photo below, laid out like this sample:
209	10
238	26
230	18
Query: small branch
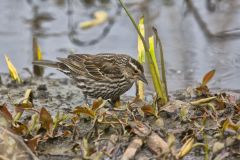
132	149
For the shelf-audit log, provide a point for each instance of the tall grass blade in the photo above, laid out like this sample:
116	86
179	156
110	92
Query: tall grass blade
163	71
141	58
160	86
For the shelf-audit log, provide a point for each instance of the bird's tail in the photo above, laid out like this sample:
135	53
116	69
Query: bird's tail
46	63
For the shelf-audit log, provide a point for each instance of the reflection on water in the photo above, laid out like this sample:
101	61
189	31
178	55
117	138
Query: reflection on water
197	37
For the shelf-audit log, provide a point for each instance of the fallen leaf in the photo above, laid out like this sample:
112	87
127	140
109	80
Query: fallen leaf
229	125
203	100
20	129
33	143
5	112
148	109
46	121
84	110
171	140
97	103
186	148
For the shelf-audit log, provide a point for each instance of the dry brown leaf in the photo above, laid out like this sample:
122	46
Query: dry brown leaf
5	112
97	103
202	90
46	121
84	110
20	129
207	77
33	143
148	109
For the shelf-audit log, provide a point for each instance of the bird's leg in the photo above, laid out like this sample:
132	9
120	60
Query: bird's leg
86	100
115	102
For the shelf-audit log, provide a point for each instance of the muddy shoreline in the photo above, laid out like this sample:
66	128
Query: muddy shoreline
112	132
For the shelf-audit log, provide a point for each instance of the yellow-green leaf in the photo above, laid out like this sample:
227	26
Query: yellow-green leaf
230	125
39	52
28	98
186	148
158	84
12	70
153	56
141	51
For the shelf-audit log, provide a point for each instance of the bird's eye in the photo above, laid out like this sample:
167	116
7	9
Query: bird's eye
135	71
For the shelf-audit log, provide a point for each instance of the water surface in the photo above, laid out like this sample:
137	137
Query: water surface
192	44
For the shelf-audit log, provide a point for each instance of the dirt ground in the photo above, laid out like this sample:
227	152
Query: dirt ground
55	124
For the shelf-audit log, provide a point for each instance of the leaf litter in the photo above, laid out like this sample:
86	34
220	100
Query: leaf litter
52	122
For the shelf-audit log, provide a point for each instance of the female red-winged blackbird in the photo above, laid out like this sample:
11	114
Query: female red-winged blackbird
103	75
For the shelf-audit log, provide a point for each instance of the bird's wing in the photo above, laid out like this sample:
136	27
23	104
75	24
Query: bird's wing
94	67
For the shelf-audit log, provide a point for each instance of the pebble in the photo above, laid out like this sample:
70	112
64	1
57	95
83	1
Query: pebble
42	87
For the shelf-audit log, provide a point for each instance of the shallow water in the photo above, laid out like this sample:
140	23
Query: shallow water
190	50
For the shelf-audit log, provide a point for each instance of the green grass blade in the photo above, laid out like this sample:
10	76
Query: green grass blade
163	71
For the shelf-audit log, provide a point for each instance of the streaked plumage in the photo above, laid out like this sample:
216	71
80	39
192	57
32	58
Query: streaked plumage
102	75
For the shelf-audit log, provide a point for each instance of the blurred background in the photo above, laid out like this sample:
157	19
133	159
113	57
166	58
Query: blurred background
197	36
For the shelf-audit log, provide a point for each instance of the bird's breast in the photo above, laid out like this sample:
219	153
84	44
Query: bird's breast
107	89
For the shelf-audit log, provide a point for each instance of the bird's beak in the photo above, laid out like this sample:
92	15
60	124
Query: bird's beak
143	78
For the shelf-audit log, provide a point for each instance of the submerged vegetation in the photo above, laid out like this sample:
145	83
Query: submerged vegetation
197	123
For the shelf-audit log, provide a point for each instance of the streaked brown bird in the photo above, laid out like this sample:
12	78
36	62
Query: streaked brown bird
103	75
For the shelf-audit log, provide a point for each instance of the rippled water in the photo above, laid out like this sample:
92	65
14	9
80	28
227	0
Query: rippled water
191	36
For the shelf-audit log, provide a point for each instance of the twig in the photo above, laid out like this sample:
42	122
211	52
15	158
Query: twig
133	147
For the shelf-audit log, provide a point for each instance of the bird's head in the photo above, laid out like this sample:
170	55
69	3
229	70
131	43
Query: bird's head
134	71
